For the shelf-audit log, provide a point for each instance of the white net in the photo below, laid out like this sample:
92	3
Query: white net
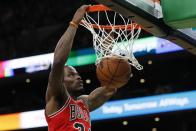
112	38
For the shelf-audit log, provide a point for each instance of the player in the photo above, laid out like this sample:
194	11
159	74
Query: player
65	110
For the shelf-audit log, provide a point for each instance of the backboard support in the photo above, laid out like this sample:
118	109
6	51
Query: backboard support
145	13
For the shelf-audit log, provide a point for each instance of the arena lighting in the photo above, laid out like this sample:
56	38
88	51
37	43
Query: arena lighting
28	80
157	119
125	123
142	81
88	81
149	62
154	129
149	45
110	110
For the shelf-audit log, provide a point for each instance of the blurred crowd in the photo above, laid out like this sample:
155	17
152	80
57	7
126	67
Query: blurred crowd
31	27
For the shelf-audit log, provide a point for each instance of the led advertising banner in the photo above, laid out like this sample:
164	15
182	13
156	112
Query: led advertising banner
110	110
146	105
149	45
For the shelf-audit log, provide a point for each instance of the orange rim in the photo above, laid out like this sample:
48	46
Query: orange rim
96	8
100	7
116	27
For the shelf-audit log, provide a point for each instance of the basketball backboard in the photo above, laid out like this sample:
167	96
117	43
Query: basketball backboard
148	14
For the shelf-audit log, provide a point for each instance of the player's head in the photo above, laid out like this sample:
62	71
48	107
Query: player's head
72	80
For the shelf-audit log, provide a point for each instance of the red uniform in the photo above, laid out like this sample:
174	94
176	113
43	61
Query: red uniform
73	116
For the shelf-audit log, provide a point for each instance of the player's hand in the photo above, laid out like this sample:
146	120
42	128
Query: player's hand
80	14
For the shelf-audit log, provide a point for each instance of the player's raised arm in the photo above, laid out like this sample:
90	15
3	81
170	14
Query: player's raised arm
61	54
98	97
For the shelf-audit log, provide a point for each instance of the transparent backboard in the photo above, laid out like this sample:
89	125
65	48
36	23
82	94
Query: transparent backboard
149	15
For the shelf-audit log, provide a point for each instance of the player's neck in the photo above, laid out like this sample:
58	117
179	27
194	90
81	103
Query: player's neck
75	95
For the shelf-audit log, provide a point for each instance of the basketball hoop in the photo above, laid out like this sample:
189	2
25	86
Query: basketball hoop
113	35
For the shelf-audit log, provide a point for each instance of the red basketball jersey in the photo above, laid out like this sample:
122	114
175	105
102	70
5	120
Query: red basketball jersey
73	116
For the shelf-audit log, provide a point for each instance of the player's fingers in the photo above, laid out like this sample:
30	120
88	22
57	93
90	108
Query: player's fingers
85	7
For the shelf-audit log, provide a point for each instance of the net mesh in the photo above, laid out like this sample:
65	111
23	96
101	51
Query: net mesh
114	36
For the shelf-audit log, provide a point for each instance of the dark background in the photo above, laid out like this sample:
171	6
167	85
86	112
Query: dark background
32	27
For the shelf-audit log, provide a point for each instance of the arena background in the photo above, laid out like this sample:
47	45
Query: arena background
33	27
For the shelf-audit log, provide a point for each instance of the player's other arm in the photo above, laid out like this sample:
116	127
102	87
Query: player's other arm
61	54
98	97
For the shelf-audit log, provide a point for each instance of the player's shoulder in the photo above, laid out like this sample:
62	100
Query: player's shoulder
84	99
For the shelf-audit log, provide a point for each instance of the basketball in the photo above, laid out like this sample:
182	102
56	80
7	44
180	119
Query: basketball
113	72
